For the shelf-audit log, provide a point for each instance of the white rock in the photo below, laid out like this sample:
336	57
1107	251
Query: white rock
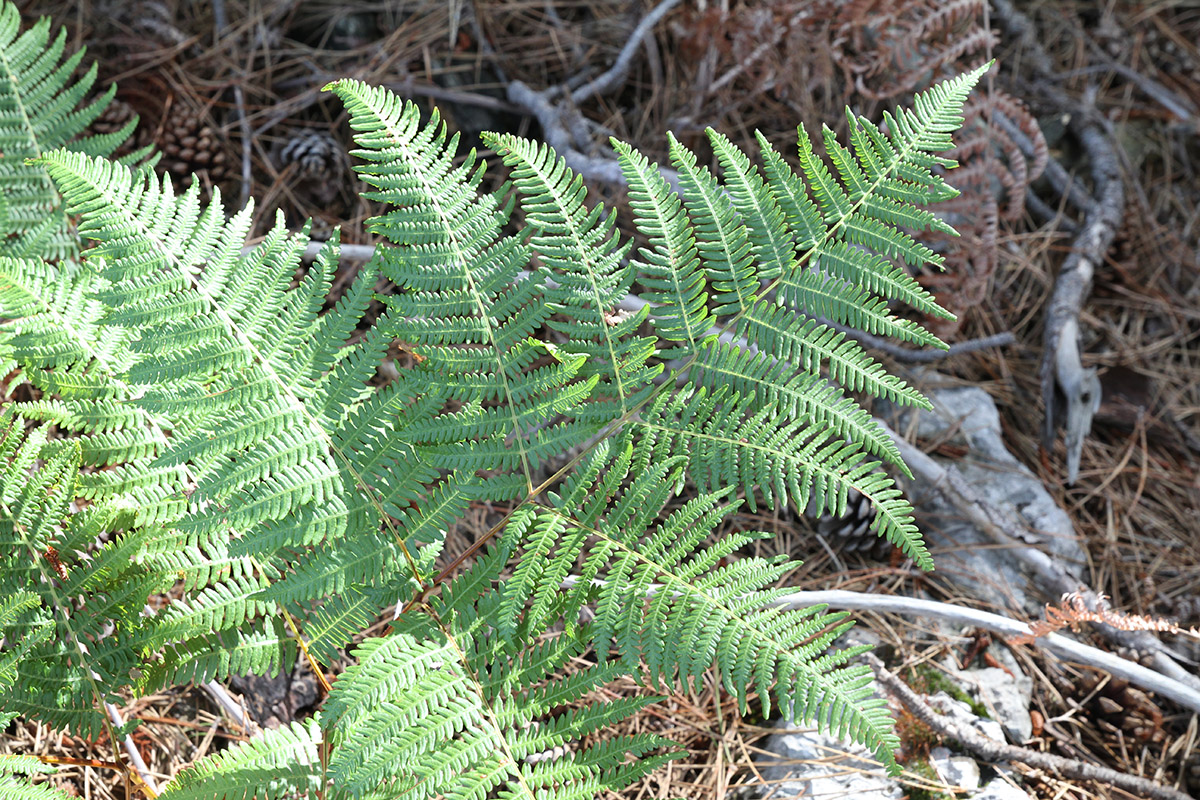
960	771
1000	789
964	552
961	713
1006	696
803	763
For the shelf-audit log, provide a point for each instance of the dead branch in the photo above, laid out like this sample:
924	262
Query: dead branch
992	751
561	121
1061	367
929	356
131	749
613	78
1061	354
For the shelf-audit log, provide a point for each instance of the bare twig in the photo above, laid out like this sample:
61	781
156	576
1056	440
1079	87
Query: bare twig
614	77
135	757
1180	106
562	123
1061	365
993	751
910	356
234	709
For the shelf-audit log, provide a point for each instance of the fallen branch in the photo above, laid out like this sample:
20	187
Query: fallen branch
131	750
234	709
1061	366
614	78
927	356
561	121
990	750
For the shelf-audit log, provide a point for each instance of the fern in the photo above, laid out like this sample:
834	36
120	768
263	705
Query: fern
40	111
226	442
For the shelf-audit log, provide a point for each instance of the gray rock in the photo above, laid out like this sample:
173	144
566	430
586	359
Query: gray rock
803	763
1006	698
968	416
960	771
1000	789
961	713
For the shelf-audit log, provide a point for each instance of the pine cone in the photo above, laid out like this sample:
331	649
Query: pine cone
320	162
852	532
317	154
1125	707
190	145
115	116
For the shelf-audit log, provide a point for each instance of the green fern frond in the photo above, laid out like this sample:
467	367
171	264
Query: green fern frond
61	665
41	109
675	286
447	706
730	443
666	602
280	763
459	301
235	449
580	249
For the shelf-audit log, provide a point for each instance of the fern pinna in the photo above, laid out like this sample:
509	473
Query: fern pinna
224	441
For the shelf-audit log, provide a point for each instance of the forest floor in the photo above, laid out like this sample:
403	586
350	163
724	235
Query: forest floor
231	91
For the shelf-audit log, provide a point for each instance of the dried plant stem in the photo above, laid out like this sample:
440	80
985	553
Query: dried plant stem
131	751
993	751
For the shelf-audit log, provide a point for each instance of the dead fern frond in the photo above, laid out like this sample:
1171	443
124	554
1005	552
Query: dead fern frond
1074	609
885	49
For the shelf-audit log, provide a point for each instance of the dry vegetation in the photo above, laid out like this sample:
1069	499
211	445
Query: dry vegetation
231	91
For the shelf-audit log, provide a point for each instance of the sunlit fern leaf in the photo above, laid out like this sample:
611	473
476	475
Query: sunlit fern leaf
731	444
461	303
447	706
664	600
238	451
70	662
669	269
276	764
42	108
580	249
14	789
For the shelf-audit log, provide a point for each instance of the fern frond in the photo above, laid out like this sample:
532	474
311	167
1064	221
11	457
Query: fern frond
580	249
277	764
664	600
12	789
460	303
445	706
733	444
67	663
237	451
41	109
670	270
